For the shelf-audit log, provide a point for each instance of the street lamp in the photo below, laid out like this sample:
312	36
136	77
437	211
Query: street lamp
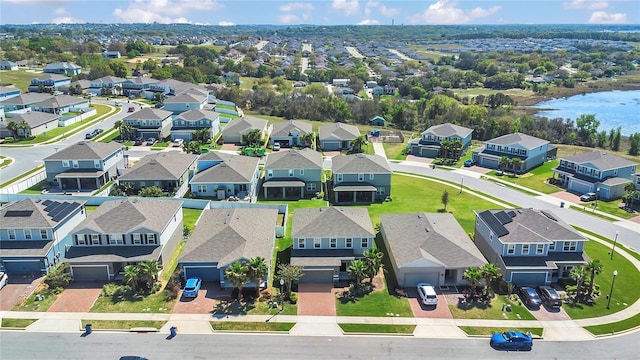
615	273
281	294
615	241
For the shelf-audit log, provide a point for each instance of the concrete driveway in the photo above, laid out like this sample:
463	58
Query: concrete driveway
78	297
316	300
204	303
16	289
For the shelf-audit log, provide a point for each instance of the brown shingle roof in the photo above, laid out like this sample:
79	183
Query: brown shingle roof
331	222
86	150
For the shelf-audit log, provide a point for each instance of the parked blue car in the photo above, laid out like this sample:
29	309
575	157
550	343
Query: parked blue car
469	163
512	340
192	287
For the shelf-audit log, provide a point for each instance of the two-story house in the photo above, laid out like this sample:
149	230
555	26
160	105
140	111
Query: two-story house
224	236
327	239
22	101
168	170
34	233
531	247
150	122
187	122
337	136
62	68
221	175
237	129
111	54
360	178
106	85
290	133
428	144
531	151
86	165
595	171
293	174
137	86
7	92
48	83
124	232
428	247
185	102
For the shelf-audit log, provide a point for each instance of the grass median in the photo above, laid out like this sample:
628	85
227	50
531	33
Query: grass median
251	326
377	328
122	324
485	330
615	327
17	323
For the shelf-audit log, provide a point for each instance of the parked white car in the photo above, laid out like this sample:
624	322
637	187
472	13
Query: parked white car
178	142
427	294
4	278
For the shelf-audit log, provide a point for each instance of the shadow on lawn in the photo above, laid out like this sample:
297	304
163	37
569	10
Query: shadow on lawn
232	307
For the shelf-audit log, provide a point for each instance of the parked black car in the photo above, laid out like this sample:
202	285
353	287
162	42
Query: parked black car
549	296
529	296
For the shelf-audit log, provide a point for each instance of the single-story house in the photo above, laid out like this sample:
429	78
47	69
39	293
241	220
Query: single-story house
237	129
168	170
337	136
290	133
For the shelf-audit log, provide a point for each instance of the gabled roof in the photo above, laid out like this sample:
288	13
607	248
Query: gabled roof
54	77
436	237
235	169
61	65
526	141
331	222
197	114
224	236
149	114
285	128
185	98
294	159
141	80
33	118
360	163
26	99
109	80
244	124
168	165
37	213
60	101
86	150
339	131
125	216
448	130
600	159
8	89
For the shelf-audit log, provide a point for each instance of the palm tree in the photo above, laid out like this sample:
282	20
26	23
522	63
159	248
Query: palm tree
289	273
578	273
373	260
490	272
25	127
13	127
516	163
445	199
309	139
630	188
148	271
118	89
445	146
504	161
473	275
118	126
594	266
357	270
456	147
253	137
237	274
131	277
257	271
356	144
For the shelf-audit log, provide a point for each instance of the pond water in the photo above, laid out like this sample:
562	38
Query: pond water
612	108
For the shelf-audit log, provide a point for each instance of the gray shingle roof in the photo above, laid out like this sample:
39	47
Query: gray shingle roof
34	118
526	141
185	98
226	235
447	130
125	216
331	222
53	77
338	130
35	213
61	65
60	101
285	128
294	159
360	163
435	237
244	124
236	169
149	114
600	159
168	165
197	114
26	99
86	150
96	254
109	80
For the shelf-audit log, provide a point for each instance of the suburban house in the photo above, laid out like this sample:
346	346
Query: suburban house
86	165
360	178
62	68
189	121
137	86
61	104
185	102
532	152
33	234
106	85
531	247
168	170
38	123
290	133
293	174
111	54
337	136
636	183
340	82
224	236
222	175
428	247
22	101
124	232
7	92
595	171
78	87
377	121
428	144
327	239
150	122
48	83
237	129
8	65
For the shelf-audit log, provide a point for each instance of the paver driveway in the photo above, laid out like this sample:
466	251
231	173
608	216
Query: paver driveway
78	297
204	303
316	299
17	288
440	311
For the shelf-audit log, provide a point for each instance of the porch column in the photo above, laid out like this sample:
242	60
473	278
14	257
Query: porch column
265	191
355	196
78	183
373	196
302	192
284	192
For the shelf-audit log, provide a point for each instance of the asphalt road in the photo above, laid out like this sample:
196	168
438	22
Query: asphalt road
32	345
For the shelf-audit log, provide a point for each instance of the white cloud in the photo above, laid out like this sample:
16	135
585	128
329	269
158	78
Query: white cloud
226	23
147	11
446	12
388	11
296	7
601	17
60	11
348	7
289	19
586	4
67	20
369	22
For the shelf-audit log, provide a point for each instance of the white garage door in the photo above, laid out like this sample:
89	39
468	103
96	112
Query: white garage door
414	278
90	272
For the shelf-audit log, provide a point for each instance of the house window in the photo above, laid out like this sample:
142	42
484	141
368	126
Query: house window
75	164
43	234
202	188
317	243
113	239
95	239
290	172
80	240
348	243
300	243
364	243
137	240
333	243
301	172
27	234
96	164
360	177
525	249
269	173
570	246
12	234
552	246
511	248
151	239
311	187
66	163
380	191
539	249
339	177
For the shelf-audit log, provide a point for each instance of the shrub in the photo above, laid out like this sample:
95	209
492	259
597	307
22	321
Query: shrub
9	139
293	298
173	285
60	277
116	291
320	195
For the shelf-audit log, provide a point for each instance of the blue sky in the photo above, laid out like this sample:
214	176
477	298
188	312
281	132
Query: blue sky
321	12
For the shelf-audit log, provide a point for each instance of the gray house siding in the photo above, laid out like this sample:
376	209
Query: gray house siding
382	182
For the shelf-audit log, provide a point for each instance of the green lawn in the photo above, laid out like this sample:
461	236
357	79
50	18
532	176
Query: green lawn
395	151
633	253
378	303
31	304
17	323
612	207
190	216
90	207
155	303
252	308
111	136
251	326
19	78
493	310
483	330
4	161
35	189
160	145
535	179
624	293
122	324
377	328
612	328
